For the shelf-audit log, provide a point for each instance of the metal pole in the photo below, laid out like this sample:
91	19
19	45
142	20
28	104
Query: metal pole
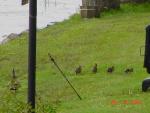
32	55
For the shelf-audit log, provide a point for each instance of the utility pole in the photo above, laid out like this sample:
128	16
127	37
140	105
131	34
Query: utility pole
32	55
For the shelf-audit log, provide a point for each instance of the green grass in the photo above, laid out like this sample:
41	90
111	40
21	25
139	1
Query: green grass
113	39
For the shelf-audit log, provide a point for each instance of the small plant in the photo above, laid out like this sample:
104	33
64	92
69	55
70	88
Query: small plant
44	106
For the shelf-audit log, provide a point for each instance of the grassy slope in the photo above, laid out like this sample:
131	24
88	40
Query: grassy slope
114	39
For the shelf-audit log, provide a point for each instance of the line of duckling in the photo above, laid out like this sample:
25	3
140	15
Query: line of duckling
94	70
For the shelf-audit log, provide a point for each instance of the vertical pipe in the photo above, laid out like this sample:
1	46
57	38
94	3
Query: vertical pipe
32	55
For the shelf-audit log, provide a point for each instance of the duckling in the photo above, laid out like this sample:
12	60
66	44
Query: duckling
78	70
94	70
129	70
111	69
12	88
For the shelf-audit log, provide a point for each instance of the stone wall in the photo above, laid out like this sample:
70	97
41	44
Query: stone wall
93	8
102	4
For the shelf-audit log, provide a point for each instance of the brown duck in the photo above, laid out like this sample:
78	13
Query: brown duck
129	70
94	69
78	70
111	69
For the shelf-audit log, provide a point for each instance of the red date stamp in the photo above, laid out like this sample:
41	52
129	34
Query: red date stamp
126	102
